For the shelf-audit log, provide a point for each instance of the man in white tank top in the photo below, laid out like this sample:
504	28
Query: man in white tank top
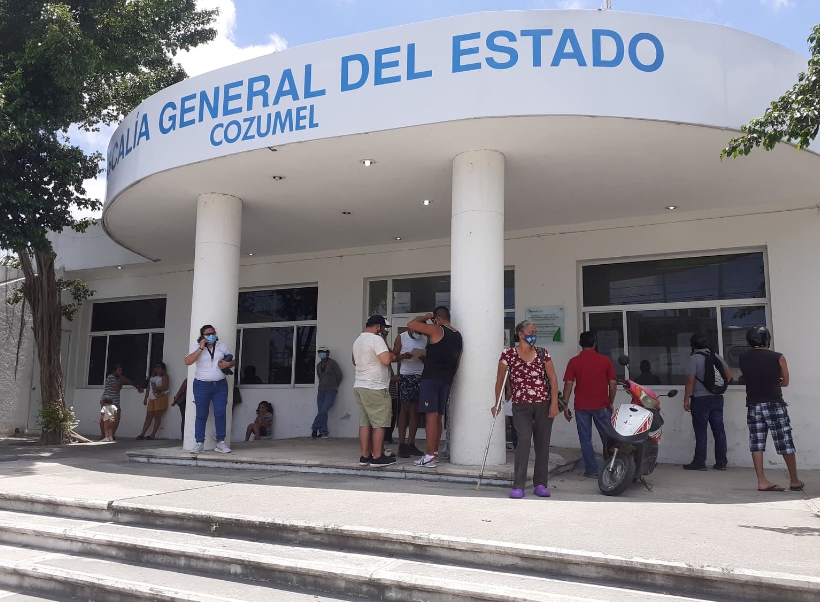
409	348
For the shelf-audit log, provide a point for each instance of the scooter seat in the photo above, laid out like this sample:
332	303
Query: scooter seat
614	436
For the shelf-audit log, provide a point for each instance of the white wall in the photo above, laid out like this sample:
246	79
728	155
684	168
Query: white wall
547	269
16	361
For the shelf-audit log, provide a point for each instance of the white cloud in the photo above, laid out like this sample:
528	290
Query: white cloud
777	4
223	50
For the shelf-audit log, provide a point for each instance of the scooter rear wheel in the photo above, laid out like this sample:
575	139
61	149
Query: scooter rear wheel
616	481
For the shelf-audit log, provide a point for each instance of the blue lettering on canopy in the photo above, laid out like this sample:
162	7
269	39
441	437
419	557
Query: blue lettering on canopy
494	46
536	35
169	124
633	52
561	53
287	87
411	65
380	65
597	51
184	110
309	91
229	98
365	65
205	101
459	52
262	92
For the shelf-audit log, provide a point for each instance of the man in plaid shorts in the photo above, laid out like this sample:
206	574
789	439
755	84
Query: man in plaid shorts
765	373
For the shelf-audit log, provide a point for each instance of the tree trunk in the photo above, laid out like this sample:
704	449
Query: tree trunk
43	296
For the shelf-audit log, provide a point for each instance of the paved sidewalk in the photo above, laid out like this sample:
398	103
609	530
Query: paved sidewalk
702	518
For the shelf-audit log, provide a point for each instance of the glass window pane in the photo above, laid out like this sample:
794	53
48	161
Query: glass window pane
609	328
305	355
157	345
267	356
509	289
378	298
278	305
661	337
675	280
131	351
419	295
96	360
141	314
736	321
509	330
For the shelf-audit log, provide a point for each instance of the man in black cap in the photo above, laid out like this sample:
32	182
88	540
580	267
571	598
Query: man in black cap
372	358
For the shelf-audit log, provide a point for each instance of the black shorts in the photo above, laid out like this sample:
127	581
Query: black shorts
433	395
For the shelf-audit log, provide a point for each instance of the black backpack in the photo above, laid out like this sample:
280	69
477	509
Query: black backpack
714	379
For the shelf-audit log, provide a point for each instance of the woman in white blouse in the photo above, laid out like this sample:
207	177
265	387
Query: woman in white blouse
210	386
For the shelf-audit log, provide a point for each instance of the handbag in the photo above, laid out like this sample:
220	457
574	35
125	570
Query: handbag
562	405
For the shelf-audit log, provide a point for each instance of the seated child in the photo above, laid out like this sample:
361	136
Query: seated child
108	412
263	425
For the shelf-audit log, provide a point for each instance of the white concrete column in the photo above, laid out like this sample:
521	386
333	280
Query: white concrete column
477	298
216	290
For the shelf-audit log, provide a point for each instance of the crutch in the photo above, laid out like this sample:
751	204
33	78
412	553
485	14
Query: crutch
492	428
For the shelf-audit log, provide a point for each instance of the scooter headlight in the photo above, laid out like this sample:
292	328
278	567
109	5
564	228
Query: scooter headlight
648	402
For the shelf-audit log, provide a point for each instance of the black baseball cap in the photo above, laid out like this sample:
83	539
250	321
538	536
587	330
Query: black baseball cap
381	320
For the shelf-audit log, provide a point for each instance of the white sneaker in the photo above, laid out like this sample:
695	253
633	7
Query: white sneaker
197	448
222	448
107	440
388	453
426	461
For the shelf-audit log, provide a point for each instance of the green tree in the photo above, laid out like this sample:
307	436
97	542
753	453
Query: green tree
63	63
793	118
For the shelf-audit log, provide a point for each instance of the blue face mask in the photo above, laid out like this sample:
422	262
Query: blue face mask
211	339
530	339
323	356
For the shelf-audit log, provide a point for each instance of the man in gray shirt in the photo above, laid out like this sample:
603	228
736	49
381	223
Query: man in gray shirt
329	375
705	406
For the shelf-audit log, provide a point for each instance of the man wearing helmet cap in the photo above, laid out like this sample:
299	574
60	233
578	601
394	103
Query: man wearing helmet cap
766	373
329	375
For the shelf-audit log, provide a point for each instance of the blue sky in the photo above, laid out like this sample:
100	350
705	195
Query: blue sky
251	28
302	21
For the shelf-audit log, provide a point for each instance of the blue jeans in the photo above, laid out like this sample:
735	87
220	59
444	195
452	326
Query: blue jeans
204	394
708	411
584	420
324	401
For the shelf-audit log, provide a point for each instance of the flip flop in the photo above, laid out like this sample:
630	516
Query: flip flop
799	487
773	488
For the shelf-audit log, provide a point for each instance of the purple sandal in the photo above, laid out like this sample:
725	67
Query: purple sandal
542	491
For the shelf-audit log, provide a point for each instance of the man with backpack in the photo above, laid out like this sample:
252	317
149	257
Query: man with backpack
707	378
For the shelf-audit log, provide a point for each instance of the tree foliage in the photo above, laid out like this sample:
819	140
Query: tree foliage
793	118
63	63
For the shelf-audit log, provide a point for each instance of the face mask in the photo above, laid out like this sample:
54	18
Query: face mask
210	339
530	339
323	356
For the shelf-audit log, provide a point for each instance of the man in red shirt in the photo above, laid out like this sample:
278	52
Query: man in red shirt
594	378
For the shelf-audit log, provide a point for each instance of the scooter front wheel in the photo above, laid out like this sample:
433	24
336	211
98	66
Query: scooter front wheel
616	480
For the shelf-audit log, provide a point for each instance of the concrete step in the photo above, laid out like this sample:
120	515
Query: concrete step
334	546
102	559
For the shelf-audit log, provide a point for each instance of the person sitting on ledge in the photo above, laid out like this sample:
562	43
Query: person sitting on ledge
263	425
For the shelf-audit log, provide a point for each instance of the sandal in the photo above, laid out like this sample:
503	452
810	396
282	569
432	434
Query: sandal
772	488
141	438
148	438
799	487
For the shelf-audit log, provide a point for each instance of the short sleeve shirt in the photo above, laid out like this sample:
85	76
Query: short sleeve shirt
592	372
370	372
697	368
109	392
207	366
528	379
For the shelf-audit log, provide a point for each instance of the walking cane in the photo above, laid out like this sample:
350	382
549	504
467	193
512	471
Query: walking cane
495	417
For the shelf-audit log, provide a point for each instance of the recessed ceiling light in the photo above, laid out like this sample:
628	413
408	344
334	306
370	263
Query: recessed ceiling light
427	202
368	162
347	213
250	254
278	178
398	238
119	267
671	207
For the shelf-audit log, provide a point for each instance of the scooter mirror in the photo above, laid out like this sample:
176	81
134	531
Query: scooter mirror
623	360
672	393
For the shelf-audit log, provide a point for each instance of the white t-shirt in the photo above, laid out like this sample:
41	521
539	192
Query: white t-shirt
415	365
207	367
370	372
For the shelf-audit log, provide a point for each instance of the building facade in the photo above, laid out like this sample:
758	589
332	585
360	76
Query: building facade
562	165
